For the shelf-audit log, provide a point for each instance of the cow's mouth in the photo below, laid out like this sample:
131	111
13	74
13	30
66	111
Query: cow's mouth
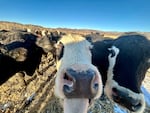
76	105
126	100
132	105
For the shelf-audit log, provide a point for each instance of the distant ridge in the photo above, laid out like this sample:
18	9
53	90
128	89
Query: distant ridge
15	26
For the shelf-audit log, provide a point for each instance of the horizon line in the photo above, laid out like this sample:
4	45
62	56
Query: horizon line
73	28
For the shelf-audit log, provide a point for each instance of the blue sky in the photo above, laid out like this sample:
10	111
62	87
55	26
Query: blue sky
107	15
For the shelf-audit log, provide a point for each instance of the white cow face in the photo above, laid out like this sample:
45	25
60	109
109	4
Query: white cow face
77	80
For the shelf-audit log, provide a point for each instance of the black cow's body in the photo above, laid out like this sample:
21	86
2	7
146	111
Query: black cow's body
123	63
132	62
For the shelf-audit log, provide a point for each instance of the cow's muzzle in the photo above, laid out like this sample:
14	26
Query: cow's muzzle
80	84
126	99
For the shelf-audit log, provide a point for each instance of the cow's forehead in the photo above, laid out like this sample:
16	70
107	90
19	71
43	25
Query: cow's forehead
71	38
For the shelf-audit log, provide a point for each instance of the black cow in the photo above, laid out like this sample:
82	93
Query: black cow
123	63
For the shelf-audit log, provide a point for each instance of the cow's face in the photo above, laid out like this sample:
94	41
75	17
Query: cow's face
123	83
77	80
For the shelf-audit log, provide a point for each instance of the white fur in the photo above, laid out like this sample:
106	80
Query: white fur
110	83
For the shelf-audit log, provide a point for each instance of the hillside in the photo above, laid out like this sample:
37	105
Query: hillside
18	26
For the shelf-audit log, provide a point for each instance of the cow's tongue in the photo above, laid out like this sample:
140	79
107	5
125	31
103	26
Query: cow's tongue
76	105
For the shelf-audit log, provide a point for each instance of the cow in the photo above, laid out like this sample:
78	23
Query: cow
77	80
123	63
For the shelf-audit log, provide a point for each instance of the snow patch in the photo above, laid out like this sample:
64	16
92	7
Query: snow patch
146	95
118	109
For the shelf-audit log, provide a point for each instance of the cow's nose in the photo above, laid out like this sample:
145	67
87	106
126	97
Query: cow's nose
125	99
80	84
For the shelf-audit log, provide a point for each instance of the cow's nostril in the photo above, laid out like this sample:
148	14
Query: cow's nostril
114	90
67	89
116	98
115	95
136	106
68	82
95	86
67	77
